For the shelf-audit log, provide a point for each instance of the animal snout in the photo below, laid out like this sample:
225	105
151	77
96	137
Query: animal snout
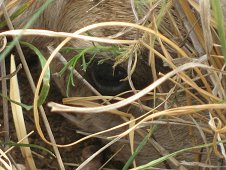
106	79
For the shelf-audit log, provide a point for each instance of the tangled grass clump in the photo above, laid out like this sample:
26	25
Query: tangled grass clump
189	40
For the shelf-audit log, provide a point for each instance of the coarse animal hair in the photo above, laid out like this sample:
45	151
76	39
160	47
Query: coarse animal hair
71	15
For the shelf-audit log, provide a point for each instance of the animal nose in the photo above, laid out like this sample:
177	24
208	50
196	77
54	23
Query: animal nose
106	79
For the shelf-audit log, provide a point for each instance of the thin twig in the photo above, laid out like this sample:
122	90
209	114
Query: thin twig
4	92
9	76
5	101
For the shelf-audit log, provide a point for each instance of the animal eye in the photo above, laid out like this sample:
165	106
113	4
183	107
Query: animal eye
106	80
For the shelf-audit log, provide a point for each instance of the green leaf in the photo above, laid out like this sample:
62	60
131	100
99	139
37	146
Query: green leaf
138	149
46	79
27	145
27	107
219	18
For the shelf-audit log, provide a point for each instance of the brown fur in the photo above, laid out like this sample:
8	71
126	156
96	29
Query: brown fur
71	15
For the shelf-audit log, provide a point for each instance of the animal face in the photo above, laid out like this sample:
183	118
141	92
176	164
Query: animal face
107	67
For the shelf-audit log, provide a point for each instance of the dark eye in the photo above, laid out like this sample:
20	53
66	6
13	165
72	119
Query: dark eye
106	80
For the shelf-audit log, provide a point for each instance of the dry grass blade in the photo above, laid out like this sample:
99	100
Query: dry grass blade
217	126
21	140
84	103
192	20
205	15
97	153
3	42
48	33
179	111
19	118
4	160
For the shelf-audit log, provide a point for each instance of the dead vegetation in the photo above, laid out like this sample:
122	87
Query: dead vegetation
187	93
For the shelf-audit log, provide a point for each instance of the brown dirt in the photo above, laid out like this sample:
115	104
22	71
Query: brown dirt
63	130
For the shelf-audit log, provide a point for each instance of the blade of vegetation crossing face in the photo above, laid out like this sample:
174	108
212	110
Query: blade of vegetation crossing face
219	17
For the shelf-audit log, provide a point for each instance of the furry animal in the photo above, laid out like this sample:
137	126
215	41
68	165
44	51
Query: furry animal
71	15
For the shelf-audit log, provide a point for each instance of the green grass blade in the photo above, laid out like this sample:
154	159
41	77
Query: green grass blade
46	79
138	149
27	107
219	18
27	145
166	157
17	13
